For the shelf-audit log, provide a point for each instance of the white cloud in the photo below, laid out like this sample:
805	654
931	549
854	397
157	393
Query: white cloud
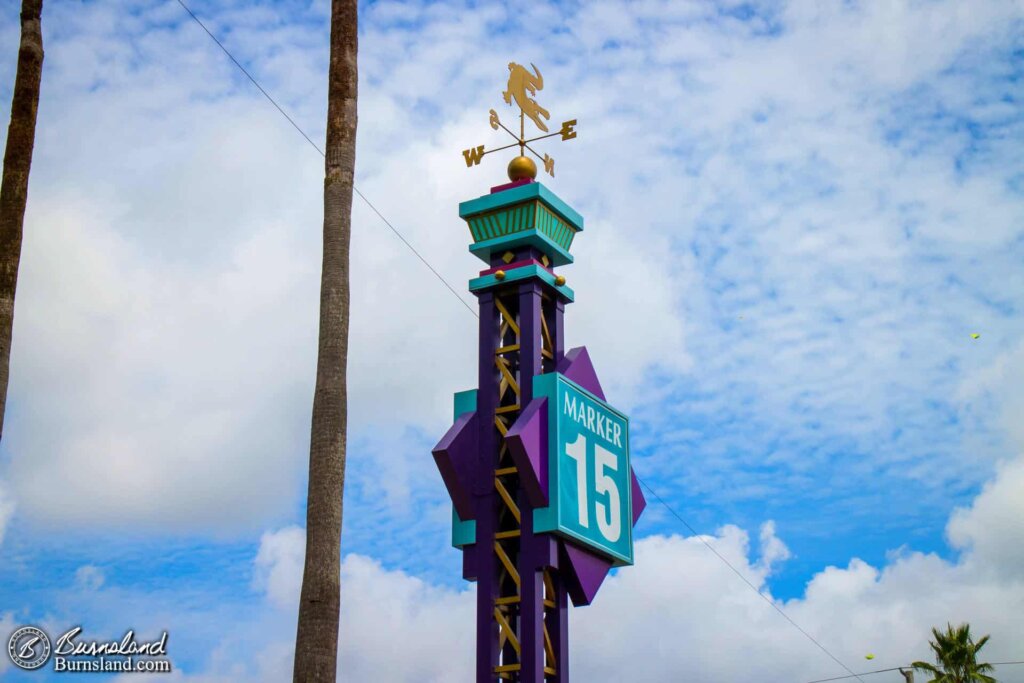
680	612
162	419
166	317
278	566
992	528
997	391
773	550
393	625
89	578
6	511
805	179
164	347
387	612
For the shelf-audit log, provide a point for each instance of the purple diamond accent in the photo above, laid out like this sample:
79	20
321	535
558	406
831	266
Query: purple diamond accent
586	573
454	455
528	442
639	501
576	366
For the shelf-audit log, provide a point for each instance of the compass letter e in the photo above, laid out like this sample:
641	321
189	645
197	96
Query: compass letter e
568	130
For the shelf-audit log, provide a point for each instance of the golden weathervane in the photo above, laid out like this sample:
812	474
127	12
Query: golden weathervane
522	84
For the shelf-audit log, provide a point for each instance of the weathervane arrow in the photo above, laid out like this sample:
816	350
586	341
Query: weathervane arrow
521	84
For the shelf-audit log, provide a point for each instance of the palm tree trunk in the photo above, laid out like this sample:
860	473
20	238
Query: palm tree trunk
21	135
316	642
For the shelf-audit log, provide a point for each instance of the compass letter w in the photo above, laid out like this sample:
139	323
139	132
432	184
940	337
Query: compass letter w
473	155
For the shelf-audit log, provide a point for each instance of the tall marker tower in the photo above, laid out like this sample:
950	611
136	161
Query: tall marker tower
537	461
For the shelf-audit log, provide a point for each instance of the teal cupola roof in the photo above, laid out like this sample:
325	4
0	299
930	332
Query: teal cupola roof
525	215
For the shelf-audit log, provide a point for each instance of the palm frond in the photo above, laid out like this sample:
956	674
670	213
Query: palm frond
956	656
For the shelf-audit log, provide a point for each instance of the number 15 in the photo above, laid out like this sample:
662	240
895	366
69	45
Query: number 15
609	521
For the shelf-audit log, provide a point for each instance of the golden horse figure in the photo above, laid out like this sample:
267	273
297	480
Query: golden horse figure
520	80
521	85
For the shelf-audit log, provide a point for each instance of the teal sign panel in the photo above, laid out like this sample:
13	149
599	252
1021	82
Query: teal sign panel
589	484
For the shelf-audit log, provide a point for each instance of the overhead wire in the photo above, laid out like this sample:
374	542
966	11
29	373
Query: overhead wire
745	580
321	152
863	673
895	668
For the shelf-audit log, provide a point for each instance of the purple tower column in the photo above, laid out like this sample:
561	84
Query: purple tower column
532	561
494	460
558	617
484	495
521	598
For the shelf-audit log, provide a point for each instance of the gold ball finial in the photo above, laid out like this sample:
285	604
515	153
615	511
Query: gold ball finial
520	168
499	275
559	280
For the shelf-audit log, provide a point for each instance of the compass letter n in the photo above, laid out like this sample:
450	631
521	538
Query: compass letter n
473	155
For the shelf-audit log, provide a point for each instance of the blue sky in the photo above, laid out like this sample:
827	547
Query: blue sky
796	216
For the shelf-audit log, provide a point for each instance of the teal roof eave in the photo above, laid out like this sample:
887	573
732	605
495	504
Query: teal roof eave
522	273
489	202
532	238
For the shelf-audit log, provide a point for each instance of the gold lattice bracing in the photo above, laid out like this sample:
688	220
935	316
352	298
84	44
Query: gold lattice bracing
511	375
550	596
506	483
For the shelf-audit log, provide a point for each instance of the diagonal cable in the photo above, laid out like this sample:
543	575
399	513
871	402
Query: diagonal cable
897	668
738	573
317	148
